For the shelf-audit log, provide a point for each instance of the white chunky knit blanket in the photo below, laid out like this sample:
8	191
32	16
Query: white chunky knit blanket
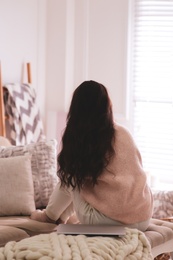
133	245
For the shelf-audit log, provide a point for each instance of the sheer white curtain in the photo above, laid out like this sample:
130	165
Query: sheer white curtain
152	84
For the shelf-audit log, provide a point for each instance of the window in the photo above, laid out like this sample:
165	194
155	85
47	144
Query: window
152	85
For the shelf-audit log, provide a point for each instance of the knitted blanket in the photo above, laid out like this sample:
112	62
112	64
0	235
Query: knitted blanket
133	245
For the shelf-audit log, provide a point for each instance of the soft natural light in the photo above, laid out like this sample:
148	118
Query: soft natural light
152	81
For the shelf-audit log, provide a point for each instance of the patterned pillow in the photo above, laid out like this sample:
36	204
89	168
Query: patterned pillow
43	165
163	204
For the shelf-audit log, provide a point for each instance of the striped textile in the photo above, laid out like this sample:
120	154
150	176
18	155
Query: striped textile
24	124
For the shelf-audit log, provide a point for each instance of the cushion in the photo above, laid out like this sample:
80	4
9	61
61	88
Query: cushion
16	186
163	204
4	141
43	165
160	235
31	227
11	234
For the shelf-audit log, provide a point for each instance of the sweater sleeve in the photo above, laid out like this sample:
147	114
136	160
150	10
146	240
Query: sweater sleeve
59	201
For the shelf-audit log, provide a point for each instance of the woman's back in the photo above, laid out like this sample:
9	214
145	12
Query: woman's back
122	192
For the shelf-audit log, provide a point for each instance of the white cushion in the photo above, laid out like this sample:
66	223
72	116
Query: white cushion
43	165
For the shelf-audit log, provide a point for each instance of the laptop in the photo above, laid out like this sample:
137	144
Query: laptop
91	230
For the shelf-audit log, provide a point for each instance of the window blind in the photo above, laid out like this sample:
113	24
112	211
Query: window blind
152	84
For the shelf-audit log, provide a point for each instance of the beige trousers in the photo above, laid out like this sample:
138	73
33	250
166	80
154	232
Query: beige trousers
64	202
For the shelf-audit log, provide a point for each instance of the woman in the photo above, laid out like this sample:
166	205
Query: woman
99	167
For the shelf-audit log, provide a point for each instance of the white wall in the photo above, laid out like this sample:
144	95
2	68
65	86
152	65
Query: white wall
67	42
87	39
107	49
23	39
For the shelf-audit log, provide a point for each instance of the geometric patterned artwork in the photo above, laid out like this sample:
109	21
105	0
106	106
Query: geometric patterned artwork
24	124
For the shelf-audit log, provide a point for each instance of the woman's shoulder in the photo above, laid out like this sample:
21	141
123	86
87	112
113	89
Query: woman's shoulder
125	140
124	137
122	131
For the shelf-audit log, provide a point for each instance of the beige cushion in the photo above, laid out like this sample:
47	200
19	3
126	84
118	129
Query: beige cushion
32	227
159	232
15	228
43	164
11	234
4	141
160	235
16	186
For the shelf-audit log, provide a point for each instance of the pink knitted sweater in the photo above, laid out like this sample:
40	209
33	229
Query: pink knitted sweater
122	192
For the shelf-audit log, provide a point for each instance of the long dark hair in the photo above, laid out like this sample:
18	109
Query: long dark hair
88	139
